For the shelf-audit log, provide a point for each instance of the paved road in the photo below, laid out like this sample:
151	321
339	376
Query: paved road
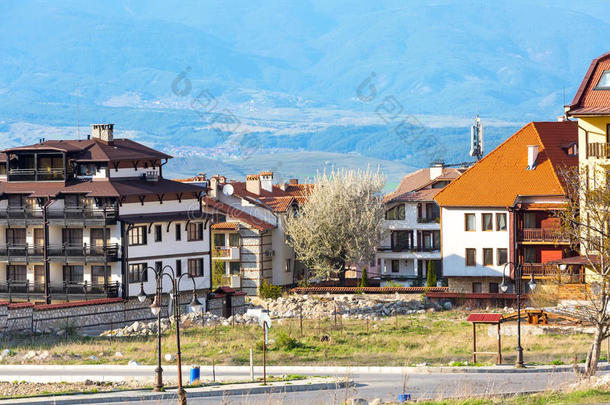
369	384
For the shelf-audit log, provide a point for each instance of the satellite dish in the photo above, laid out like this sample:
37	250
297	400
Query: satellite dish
227	189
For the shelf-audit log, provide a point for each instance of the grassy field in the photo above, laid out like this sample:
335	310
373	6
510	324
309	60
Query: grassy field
435	338
591	396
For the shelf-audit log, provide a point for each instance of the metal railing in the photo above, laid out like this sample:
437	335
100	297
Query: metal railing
409	249
424	220
31	174
598	150
63	250
542	235
21	289
26	212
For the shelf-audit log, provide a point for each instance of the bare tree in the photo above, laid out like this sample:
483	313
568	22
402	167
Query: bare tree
340	223
586	220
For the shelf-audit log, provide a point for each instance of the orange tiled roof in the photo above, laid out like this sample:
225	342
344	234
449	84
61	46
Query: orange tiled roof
588	100
414	186
232	226
238	214
502	175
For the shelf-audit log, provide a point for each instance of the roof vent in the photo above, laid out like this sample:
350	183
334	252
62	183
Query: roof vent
532	155
103	132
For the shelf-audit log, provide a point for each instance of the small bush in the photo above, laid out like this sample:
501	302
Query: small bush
431	274
286	342
364	280
557	362
268	291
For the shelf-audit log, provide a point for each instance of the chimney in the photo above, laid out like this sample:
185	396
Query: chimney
213	192
253	184
532	155
103	132
266	181
293	182
436	169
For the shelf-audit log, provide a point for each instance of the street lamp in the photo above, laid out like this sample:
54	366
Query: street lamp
504	288
155	308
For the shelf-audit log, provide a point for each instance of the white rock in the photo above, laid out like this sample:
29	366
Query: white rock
133	363
359	401
170	357
118	354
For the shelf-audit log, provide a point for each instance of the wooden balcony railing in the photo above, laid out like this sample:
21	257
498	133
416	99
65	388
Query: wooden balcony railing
61	290
543	235
598	150
573	274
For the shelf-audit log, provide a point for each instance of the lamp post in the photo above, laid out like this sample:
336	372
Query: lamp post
504	287
155	308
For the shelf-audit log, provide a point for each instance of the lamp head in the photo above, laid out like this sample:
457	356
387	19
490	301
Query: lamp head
141	295
563	267
503	286
532	284
155	307
195	304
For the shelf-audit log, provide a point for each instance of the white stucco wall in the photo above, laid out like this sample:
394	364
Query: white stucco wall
455	240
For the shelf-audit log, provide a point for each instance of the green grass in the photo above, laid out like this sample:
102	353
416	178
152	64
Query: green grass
436	338
591	396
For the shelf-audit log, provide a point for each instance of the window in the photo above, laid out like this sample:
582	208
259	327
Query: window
15	236
604	81
158	233
432	212
493	288
471	257
469	222
396	213
477	288
196	267
16	272
500	222
97	275
402	240
219	240
288	265
97	236
194	231
15	201
502	255
529	220
73	274
531	255
178	232
421	264
234	239
395	266
488	257
178	267
487	222
137	236
234	267
138	272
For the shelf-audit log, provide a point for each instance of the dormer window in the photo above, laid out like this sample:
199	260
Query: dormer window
604	81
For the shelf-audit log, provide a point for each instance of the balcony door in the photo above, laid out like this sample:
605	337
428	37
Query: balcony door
97	240
15	239
38	241
402	240
72	239
39	277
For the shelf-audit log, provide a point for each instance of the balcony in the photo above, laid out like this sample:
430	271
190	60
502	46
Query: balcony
65	252
59	290
407	249
226	253
27	214
598	150
543	235
574	274
424	220
30	174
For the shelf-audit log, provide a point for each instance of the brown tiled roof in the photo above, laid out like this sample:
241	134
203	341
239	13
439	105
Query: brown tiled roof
238	214
278	204
415	186
589	100
97	151
502	175
277	200
100	188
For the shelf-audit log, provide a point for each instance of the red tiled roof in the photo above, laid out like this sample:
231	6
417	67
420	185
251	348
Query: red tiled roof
237	214
277	200
589	100
77	304
484	318
502	175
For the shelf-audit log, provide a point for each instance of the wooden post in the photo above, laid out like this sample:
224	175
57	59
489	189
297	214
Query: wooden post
251	366
301	318
474	343
499	345
264	354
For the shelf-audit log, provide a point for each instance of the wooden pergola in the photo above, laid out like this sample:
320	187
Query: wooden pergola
485	319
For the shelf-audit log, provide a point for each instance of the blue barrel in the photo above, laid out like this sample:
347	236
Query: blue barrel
403	398
194	374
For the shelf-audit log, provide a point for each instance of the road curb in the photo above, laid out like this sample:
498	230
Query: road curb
138	395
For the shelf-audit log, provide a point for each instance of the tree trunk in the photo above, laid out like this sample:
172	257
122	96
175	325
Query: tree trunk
342	275
594	353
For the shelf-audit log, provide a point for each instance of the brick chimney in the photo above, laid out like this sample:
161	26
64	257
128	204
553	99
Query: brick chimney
253	184
103	132
266	179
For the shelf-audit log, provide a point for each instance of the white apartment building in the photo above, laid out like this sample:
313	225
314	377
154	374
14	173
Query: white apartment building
86	218
412	227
